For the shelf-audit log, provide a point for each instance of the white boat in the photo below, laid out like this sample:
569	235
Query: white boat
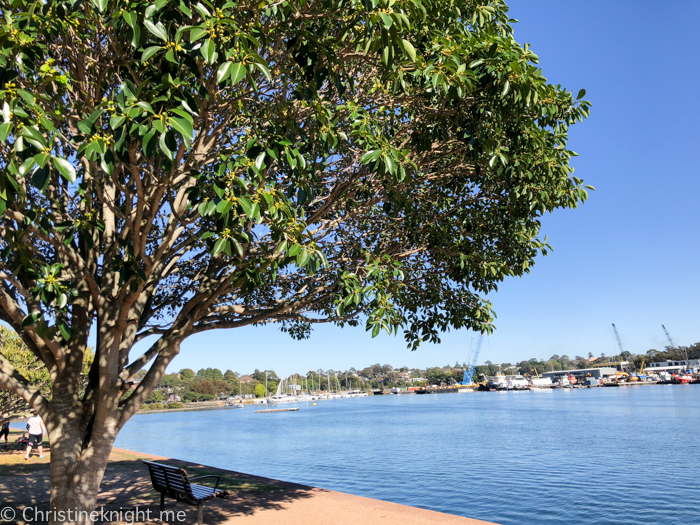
561	382
357	393
541	382
234	402
464	390
497	383
517	383
279	397
282	399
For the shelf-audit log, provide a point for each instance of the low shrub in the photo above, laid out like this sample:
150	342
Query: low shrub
153	406
175	404
190	397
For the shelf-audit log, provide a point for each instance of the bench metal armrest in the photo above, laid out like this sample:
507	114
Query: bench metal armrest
218	478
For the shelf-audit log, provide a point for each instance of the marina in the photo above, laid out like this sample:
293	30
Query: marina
578	457
567	379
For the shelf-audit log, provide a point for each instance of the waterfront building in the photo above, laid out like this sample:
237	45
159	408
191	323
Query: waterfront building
620	366
672	366
598	372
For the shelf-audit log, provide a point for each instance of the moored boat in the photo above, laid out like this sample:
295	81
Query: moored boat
517	383
541	382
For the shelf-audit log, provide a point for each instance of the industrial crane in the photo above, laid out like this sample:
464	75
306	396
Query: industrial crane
617	336
670	341
471	364
668	336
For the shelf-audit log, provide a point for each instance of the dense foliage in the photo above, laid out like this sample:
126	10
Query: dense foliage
31	370
177	166
25	363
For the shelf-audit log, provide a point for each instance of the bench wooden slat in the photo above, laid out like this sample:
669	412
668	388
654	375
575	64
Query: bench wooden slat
174	482
203	492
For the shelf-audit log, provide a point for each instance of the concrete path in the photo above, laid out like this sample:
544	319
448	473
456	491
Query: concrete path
253	500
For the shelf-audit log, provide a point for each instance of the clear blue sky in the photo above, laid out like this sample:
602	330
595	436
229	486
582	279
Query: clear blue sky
629	256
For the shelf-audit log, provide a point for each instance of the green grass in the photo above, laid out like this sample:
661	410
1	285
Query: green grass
229	483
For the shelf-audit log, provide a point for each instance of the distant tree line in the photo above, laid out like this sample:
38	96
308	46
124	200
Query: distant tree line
210	383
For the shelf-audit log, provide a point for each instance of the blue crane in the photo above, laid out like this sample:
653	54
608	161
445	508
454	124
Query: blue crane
471	364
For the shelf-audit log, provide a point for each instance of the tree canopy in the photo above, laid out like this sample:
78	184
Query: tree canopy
30	369
173	167
25	363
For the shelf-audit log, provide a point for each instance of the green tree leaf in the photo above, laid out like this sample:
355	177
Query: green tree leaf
100	4
410	50
238	72
209	51
219	246
182	125
386	19
224	72
116	121
157	29
130	18
149	52
65	168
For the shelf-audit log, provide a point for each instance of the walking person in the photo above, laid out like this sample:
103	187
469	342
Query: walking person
36	429
5	430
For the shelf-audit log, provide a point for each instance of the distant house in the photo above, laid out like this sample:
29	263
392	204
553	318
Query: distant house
246	379
174	397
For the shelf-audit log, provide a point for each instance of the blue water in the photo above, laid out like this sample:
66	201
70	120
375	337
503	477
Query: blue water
595	456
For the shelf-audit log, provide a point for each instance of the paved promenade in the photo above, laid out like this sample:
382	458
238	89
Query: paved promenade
253	500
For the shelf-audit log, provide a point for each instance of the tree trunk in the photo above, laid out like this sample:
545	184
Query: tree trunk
78	462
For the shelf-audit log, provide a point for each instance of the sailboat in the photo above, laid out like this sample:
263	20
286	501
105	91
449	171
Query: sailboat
280	397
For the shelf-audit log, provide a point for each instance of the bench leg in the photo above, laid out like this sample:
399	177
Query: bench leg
162	502
200	513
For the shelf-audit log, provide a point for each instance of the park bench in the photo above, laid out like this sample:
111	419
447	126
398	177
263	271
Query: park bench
175	483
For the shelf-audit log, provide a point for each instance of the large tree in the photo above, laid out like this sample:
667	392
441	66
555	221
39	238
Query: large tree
175	167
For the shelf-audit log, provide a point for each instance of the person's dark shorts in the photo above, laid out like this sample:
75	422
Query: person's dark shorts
4	432
35	439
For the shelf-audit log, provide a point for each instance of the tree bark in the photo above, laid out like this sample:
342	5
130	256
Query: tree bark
81	442
79	457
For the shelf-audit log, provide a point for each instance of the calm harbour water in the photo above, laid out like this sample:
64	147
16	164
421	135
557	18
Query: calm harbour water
596	456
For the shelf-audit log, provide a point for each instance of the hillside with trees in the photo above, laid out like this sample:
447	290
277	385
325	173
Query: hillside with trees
210	383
